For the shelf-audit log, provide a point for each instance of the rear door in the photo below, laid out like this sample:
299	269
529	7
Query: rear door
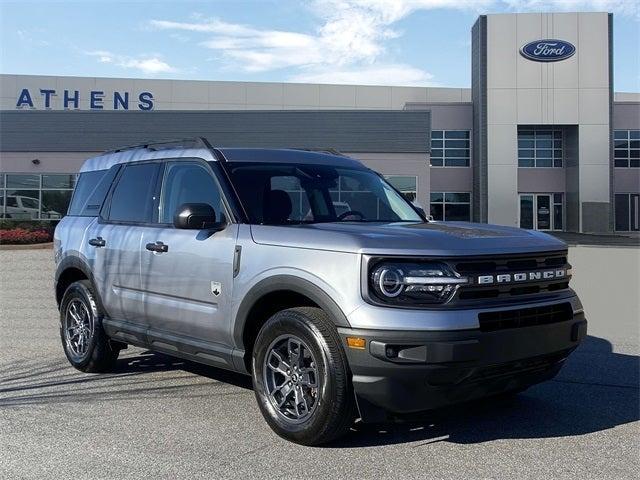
187	288
116	238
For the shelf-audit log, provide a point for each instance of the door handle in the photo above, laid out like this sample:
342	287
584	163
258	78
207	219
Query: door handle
157	247
97	242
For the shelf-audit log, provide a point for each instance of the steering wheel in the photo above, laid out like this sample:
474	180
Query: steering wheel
344	215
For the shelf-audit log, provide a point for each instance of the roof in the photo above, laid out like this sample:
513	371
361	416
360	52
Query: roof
288	155
200	148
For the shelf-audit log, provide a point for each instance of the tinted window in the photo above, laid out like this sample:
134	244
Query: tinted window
280	194
91	189
133	196
188	183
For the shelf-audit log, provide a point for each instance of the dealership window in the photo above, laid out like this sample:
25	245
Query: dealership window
451	206
405	184
450	148
627	212
35	196
542	211
540	147
626	151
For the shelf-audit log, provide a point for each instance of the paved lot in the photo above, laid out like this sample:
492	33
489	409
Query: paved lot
162	418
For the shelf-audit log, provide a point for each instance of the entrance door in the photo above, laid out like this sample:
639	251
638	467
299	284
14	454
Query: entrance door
541	211
627	208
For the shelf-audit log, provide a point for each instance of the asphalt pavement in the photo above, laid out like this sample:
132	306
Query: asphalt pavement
163	418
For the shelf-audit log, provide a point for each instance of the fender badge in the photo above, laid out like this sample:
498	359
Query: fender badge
216	288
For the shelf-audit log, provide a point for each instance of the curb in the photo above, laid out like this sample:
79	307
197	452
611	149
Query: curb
33	246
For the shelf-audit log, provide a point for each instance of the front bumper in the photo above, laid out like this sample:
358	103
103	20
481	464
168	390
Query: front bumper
404	372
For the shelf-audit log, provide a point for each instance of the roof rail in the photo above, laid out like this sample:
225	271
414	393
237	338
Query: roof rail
331	151
198	142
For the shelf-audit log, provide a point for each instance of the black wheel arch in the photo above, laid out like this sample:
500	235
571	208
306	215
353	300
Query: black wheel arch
291	291
69	270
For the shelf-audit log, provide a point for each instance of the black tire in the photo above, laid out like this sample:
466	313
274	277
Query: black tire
333	407
100	354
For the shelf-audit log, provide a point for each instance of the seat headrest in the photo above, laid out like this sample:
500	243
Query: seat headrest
277	207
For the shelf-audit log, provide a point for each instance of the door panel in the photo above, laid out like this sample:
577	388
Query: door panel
117	269
179	284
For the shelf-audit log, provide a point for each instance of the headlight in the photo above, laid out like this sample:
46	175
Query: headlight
413	283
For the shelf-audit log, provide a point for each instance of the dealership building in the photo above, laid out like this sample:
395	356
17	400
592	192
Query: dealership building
540	140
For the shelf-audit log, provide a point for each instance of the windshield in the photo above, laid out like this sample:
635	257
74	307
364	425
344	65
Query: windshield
281	194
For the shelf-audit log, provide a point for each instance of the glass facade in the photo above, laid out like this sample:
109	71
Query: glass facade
540	147
35	196
626	146
450	148
451	206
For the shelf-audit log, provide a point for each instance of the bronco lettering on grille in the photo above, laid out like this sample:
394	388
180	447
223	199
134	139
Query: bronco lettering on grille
523	276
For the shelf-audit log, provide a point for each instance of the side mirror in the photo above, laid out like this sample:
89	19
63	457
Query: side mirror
195	216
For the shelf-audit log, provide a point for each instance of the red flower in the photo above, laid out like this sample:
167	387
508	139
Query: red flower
22	236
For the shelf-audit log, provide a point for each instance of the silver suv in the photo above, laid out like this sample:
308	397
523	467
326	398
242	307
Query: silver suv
239	259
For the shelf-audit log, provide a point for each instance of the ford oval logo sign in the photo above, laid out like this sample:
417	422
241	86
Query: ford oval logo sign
547	50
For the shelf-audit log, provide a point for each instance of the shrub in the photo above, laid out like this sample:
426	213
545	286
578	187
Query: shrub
22	236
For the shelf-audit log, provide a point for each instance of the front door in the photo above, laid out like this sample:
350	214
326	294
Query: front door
541	211
187	288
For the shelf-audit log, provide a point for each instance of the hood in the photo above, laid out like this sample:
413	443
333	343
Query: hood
433	238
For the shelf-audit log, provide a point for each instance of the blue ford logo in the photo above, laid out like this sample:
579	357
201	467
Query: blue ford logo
547	50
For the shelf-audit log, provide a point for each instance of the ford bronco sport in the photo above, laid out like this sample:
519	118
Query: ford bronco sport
237	258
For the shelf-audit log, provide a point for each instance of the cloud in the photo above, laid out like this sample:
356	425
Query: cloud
377	74
147	63
347	42
351	38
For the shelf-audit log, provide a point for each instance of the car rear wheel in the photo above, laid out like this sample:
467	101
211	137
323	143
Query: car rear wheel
301	378
85	343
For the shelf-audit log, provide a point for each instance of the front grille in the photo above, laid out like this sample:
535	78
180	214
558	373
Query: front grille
507	265
510	264
471	293
525	317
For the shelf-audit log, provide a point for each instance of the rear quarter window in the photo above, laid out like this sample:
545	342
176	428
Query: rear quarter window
90	192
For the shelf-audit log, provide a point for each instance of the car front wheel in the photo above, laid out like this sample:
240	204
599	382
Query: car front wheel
301	377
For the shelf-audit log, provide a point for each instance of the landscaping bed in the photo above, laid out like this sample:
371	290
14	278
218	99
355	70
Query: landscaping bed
25	233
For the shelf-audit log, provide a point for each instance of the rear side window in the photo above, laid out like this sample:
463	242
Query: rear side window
133	198
90	192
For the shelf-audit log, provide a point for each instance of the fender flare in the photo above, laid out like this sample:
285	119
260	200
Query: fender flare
291	283
79	264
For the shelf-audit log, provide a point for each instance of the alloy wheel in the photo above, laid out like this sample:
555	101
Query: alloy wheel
78	328
291	378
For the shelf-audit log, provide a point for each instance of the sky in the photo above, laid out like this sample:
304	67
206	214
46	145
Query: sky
383	42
